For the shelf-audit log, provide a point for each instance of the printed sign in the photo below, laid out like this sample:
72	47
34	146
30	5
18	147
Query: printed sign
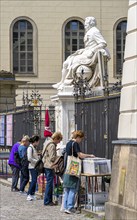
9	130
2	129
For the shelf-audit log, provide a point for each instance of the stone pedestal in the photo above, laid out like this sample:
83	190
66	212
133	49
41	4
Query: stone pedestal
64	112
122	203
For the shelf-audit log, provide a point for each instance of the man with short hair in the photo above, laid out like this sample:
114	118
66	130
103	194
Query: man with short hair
14	167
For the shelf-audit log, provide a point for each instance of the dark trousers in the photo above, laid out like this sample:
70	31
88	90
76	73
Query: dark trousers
24	178
15	176
49	186
32	187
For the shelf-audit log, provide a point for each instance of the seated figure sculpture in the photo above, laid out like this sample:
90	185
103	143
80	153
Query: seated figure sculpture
88	56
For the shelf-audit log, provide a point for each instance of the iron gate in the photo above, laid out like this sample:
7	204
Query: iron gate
24	121
98	118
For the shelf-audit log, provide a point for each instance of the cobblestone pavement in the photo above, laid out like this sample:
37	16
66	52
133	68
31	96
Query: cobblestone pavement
14	206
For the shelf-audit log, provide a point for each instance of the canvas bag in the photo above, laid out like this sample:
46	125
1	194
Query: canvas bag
73	165
58	165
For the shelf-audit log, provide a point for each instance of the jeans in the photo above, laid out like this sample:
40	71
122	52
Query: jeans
15	176
49	186
24	179
69	198
32	186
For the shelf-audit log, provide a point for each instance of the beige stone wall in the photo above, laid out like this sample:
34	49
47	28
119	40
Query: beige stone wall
49	17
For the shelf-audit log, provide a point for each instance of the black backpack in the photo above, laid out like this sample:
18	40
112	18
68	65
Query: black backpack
17	158
21	161
24	160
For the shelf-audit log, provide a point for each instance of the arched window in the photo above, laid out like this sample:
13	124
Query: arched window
74	35
120	46
23	57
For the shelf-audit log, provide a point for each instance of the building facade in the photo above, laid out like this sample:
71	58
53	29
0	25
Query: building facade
37	36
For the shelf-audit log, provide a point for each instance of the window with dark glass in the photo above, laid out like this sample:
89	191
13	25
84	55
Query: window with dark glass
120	45
74	35
22	47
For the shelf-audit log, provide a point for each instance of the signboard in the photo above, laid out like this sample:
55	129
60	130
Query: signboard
9	130
2	129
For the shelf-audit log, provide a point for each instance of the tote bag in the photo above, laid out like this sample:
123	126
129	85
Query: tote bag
73	165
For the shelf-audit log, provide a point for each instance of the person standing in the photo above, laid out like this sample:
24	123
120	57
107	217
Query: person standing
71	183
49	157
14	167
24	179
33	157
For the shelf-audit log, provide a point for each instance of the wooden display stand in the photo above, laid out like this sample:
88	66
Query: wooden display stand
87	179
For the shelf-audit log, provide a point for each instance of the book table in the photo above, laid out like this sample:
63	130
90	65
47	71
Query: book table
96	197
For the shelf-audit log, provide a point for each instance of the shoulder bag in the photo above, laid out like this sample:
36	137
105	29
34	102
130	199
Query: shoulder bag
39	166
73	165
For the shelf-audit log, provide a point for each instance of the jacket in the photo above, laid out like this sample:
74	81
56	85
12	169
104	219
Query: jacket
22	151
50	154
11	157
32	156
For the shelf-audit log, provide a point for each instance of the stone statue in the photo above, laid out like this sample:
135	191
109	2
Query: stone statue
85	59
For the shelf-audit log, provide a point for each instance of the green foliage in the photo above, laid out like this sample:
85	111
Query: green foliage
89	215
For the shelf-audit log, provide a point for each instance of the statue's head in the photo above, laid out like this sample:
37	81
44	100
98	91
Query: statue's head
90	22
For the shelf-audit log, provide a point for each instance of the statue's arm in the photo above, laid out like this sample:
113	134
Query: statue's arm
100	43
99	39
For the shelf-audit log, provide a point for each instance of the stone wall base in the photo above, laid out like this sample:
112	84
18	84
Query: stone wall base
118	212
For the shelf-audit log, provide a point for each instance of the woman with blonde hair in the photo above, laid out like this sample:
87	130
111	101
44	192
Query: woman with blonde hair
49	157
24	179
71	183
33	157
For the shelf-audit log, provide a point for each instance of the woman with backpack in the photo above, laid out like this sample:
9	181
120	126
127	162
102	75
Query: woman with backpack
32	155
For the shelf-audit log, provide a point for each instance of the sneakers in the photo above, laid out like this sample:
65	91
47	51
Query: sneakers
72	211
14	190
30	198
34	197
68	211
23	193
50	204
62	210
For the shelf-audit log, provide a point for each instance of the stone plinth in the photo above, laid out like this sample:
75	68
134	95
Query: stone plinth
64	112
122	203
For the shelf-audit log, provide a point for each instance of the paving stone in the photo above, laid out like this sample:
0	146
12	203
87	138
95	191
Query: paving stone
14	206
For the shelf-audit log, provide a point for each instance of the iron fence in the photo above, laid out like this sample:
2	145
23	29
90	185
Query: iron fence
24	121
98	118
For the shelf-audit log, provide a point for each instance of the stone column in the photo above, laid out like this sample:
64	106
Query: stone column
64	112
122	204
8	86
